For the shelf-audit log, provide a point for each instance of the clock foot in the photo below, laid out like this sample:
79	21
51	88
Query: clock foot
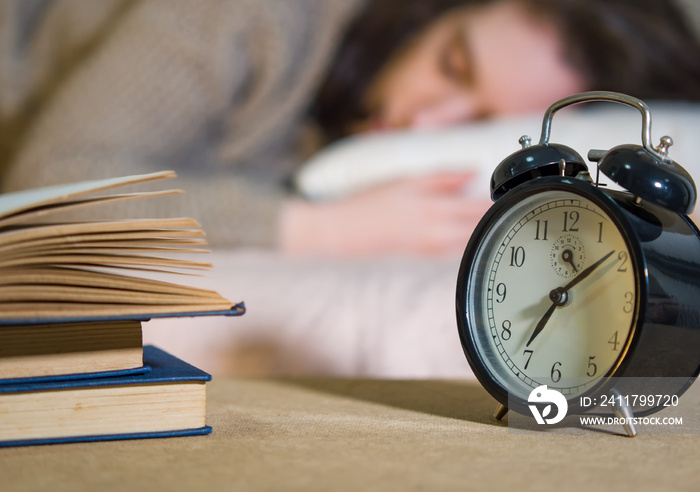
624	412
501	411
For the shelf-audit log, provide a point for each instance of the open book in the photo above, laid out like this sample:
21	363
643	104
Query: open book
61	271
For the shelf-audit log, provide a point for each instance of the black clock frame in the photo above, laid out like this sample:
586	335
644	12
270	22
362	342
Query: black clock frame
665	252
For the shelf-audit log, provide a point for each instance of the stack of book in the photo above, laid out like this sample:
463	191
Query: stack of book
73	300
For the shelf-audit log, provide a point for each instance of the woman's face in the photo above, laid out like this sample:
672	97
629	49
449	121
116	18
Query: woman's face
472	63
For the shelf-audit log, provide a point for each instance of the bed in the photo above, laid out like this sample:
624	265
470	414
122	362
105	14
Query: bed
383	317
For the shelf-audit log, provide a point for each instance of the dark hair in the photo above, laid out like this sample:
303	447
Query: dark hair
643	48
380	29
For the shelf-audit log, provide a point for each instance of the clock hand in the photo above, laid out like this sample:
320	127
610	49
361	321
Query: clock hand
587	272
560	296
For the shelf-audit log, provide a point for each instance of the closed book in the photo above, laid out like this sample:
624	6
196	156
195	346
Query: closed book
169	400
90	349
76	348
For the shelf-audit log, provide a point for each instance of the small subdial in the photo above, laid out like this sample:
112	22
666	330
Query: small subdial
567	256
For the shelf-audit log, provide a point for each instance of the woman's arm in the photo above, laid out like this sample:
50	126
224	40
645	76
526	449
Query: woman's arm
425	216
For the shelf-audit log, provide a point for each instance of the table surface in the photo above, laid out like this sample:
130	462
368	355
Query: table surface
357	435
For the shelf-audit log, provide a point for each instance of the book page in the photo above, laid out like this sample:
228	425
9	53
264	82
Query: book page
52	270
40	212
72	231
19	201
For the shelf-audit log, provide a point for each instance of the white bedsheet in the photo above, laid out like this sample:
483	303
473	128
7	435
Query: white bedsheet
381	317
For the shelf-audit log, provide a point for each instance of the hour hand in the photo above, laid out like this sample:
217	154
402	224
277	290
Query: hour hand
559	297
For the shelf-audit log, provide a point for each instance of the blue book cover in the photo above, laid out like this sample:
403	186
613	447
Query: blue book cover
165	369
74	377
237	310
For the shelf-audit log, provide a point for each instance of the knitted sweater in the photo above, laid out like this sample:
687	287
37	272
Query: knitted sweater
214	89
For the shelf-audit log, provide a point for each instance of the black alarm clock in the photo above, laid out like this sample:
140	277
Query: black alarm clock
569	284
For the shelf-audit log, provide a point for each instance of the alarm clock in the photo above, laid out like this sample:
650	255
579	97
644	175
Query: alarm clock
574	285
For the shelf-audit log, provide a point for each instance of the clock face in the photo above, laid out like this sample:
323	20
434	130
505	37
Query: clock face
551	297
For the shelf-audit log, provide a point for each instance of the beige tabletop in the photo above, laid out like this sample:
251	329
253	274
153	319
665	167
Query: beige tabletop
357	435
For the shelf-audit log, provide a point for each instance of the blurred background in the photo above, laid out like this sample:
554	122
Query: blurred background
337	152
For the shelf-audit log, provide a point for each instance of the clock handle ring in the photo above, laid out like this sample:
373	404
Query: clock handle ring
616	97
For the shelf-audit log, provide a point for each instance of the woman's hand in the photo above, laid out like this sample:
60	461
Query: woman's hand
416	216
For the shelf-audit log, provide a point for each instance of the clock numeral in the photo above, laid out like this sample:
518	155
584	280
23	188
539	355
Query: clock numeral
592	367
556	373
517	256
572	216
600	232
544	230
622	256
629	302
529	356
501	291
506	334
613	341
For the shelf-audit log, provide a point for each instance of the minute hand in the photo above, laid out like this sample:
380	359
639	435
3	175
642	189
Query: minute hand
559	294
587	271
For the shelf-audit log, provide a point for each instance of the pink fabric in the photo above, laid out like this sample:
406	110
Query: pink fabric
383	317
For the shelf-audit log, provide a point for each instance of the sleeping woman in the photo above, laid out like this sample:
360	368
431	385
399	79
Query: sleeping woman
228	93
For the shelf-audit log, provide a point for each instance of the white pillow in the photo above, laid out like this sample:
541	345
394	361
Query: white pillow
357	163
